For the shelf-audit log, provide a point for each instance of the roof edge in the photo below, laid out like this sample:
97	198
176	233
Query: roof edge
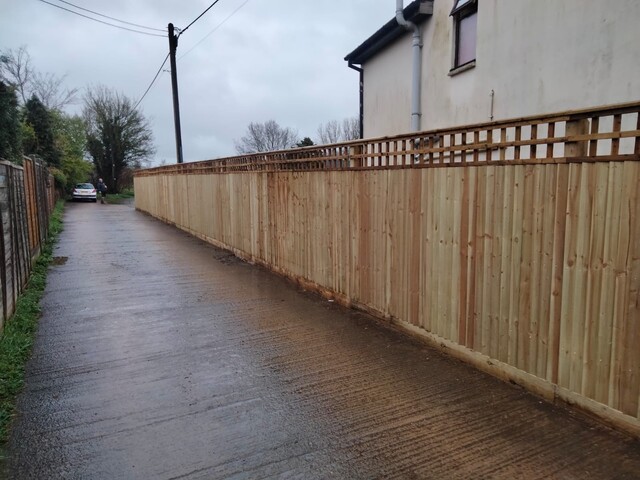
417	12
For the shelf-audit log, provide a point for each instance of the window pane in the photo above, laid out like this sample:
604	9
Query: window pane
458	5
467	32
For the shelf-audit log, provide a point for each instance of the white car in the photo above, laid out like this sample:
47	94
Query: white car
84	191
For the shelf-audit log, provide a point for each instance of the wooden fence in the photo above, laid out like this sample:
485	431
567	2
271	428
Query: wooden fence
514	245
27	197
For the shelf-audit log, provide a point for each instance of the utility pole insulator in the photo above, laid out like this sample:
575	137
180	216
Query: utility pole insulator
173	45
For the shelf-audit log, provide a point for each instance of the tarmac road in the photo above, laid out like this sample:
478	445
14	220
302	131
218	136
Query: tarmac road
160	357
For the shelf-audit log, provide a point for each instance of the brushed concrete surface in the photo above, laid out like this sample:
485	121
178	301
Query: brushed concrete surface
161	357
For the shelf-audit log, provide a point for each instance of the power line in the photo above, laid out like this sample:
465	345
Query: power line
214	29
111	18
152	82
198	17
100	21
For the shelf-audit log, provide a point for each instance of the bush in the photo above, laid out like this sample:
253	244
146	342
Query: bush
59	177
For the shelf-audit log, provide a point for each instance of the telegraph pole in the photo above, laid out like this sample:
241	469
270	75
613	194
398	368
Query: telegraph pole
173	45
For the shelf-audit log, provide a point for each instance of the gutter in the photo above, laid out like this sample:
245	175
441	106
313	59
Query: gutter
416	82
361	72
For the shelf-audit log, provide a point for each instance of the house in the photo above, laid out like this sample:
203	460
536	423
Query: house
483	60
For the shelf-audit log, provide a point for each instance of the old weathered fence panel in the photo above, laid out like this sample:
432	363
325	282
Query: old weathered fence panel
40	199
514	244
26	194
32	205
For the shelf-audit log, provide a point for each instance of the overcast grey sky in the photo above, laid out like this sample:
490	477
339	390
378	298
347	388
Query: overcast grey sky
273	59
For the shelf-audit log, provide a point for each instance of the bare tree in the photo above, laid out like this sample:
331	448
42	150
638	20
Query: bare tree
335	132
266	137
51	92
350	129
329	132
16	71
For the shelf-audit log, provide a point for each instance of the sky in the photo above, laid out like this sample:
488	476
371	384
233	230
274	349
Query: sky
270	59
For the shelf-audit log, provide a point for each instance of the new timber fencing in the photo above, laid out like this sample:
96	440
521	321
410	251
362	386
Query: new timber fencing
27	197
514	245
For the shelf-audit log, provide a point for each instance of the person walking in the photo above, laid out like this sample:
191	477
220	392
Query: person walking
102	188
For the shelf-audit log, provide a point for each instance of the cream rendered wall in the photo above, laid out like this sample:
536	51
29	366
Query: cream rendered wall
387	91
538	56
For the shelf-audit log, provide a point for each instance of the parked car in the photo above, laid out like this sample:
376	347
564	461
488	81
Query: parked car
84	191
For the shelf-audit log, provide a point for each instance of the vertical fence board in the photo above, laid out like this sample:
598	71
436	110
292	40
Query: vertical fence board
455	198
549	200
626	389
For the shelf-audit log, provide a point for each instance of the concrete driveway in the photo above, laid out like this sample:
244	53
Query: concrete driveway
160	357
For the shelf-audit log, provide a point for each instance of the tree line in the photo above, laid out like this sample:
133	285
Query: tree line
109	139
269	136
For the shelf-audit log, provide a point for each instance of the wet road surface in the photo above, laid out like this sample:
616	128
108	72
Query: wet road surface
159	356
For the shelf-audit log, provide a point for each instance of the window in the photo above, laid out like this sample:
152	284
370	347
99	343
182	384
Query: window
465	25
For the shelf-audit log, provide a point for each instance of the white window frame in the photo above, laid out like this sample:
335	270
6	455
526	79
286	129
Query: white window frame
461	9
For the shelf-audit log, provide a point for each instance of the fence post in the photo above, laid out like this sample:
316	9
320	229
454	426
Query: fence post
572	148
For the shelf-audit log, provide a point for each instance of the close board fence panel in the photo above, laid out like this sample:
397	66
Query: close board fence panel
24	218
514	244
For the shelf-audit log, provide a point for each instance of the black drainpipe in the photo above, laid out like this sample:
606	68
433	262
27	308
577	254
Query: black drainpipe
361	72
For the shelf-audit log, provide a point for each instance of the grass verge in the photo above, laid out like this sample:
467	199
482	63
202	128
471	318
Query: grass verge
19	330
123	195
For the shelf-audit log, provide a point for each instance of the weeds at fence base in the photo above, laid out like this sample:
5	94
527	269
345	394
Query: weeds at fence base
17	338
